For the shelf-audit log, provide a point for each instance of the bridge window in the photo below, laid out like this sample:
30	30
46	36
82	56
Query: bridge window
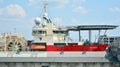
39	32
42	32
60	44
60	32
45	66
34	31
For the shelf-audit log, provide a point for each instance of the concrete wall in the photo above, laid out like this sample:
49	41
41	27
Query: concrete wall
36	64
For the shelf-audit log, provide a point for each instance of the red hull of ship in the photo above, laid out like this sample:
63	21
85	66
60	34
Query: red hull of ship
90	47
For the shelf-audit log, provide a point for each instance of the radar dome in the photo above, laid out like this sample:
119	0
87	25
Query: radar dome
37	21
45	15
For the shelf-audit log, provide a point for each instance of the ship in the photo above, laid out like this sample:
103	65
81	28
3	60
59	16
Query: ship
52	47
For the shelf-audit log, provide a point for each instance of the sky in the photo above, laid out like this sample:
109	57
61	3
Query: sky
18	15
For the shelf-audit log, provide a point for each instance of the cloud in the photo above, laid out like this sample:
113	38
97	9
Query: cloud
79	1
1	1
1	10
9	19
13	11
114	9
80	9
57	20
74	20
58	3
35	3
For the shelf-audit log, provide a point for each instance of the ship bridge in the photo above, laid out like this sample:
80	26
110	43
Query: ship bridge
90	28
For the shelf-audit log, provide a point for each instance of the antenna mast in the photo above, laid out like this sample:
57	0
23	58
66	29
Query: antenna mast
45	14
45	6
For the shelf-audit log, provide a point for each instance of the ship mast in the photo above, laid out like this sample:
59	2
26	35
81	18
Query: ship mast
45	14
45	6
